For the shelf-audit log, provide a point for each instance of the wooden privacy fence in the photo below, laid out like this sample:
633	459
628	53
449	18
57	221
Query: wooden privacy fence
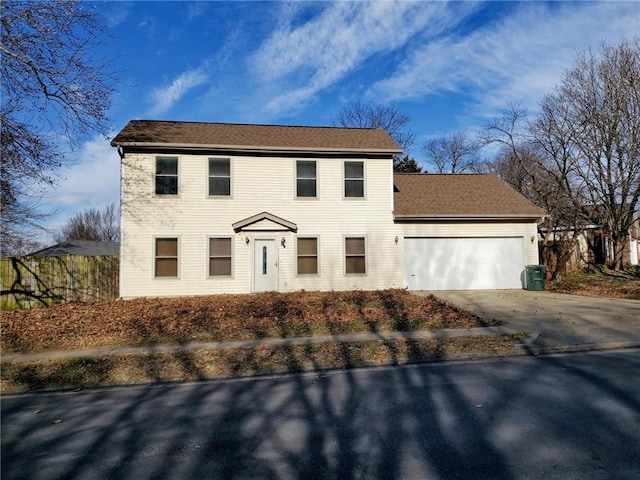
38	281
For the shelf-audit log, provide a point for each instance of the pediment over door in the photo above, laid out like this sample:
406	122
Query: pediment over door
264	222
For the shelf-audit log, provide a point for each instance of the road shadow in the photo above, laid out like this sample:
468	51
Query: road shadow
471	420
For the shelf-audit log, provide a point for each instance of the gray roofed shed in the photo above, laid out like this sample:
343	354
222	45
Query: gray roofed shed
79	247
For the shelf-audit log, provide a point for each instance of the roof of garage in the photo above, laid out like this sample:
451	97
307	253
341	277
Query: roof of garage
437	196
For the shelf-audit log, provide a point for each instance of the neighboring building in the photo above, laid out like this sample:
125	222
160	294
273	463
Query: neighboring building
227	208
79	247
594	248
631	252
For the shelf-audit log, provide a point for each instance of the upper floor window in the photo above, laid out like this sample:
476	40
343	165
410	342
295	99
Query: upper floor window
220	177
354	179
166	257
306	178
166	175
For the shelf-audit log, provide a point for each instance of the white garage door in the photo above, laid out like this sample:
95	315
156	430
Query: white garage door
464	263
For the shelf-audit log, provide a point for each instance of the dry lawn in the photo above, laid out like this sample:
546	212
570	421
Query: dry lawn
149	322
601	282
207	364
183	320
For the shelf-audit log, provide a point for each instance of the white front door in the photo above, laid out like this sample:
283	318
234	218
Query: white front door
265	266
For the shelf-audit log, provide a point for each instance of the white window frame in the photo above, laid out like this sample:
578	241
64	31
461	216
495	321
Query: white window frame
317	238
209	256
155	176
155	257
345	178
209	176
344	255
296	178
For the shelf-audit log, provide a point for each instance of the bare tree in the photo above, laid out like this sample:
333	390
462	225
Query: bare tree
454	153
383	115
600	99
587	143
537	160
56	92
92	224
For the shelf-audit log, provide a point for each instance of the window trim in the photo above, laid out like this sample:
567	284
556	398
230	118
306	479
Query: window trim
345	255
155	176
209	256
345	178
317	256
155	257
296	178
209	176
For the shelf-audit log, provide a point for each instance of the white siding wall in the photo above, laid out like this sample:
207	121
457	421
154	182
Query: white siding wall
258	185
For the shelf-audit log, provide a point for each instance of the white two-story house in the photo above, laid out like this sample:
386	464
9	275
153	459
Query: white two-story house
228	208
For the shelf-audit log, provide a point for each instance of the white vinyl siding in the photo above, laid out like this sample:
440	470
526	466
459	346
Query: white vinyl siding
194	217
266	184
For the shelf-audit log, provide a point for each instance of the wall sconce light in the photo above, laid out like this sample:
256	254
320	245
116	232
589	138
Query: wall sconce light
246	240
532	238
396	239
283	242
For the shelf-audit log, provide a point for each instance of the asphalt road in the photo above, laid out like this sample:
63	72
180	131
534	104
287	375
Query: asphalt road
562	417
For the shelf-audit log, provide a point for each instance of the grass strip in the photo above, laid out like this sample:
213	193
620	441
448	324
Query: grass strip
210	364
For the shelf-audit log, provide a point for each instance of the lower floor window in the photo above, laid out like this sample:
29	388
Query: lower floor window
220	258
355	259
307	256
166	258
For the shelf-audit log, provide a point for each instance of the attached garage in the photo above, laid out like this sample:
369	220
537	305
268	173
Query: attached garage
464	232
464	263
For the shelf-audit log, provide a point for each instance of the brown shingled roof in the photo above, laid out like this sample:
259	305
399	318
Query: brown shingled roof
433	196
254	137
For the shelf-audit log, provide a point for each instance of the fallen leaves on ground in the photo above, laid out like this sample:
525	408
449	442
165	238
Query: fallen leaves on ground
150	321
600	282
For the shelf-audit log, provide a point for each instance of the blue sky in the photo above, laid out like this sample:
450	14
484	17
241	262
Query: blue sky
448	65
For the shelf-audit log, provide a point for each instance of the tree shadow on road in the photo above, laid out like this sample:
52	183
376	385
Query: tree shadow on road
432	421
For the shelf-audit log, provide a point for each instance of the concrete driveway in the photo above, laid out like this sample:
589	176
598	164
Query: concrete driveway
556	319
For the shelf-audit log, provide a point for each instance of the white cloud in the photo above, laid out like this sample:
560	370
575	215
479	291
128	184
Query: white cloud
164	98
92	181
518	59
323	50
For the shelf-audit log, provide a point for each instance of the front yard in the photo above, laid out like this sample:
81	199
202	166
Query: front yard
150	322
153	321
